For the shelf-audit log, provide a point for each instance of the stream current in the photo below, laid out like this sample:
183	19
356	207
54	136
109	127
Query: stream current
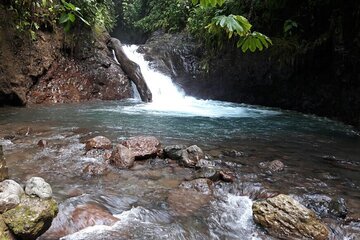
321	157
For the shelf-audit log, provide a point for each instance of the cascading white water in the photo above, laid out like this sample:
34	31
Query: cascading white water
168	99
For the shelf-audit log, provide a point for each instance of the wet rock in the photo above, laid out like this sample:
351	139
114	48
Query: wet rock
10	195
233	153
5	233
201	185
227	176
205	163
187	157
4	172
31	218
326	206
272	166
89	214
42	143
122	157
38	187
192	155
72	218
209	173
98	142
95	169
174	151
143	147
286	218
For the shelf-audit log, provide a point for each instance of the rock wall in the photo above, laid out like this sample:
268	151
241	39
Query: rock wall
322	81
48	71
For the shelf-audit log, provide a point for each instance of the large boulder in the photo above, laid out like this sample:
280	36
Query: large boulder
4	173
143	147
122	157
38	187
286	218
98	142
10	195
31	218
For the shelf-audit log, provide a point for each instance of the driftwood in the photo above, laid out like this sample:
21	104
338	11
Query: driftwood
131	69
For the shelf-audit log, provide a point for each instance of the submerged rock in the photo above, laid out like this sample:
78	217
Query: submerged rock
31	218
95	169
272	166
201	185
122	157
38	187
4	172
98	142
286	218
143	147
185	202
10	195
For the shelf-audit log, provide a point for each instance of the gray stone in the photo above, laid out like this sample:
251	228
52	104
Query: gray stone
174	151
37	186
10	194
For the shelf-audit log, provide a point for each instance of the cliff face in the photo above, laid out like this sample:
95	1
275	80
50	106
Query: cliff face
45	71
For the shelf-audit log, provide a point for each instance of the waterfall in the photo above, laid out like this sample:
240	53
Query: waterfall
161	86
169	99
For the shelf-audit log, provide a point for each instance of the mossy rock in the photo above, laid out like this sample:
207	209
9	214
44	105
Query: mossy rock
5	234
31	218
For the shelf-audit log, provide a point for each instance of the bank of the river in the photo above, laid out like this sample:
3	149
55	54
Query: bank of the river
57	67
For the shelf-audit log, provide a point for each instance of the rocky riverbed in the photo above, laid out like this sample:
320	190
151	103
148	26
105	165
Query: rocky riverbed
141	186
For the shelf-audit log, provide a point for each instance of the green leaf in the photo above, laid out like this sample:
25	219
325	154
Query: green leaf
64	18
71	17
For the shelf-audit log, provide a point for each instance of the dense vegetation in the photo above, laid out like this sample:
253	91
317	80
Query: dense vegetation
31	16
296	25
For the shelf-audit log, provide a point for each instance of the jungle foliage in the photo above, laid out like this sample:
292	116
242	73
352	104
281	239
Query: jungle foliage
32	15
212	21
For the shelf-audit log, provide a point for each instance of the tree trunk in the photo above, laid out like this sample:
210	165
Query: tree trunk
131	69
